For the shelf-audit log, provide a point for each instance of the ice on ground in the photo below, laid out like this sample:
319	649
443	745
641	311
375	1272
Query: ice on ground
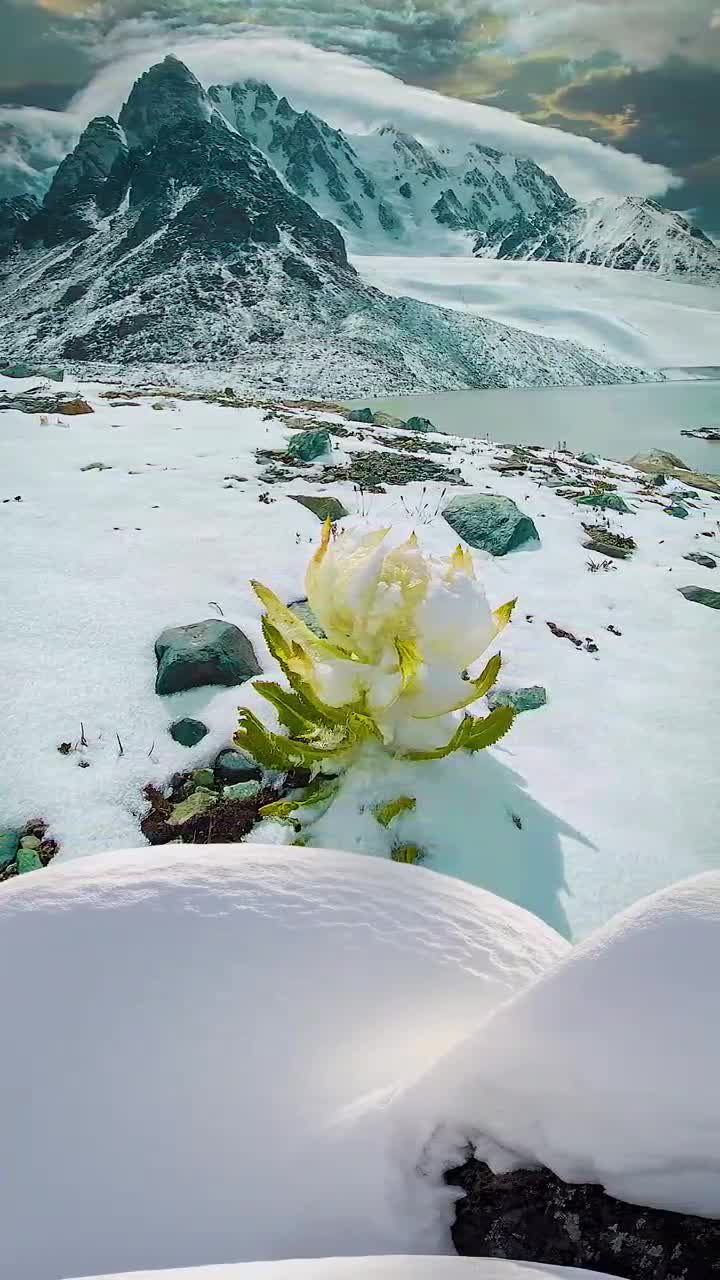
389	1268
606	1070
630	315
206	1043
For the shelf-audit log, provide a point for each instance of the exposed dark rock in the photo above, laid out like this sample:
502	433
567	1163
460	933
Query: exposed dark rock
707	562
325	508
701	595
490	522
233	765
209	652
531	1216
188	732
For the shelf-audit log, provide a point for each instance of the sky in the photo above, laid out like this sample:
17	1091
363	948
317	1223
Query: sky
623	95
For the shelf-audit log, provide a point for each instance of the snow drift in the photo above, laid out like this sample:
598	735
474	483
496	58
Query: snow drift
205	1043
606	1070
389	1268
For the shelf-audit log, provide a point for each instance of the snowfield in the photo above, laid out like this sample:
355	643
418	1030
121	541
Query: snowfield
632	316
602	796
224	1029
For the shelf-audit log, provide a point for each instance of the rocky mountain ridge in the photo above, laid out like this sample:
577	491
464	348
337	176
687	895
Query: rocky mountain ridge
167	237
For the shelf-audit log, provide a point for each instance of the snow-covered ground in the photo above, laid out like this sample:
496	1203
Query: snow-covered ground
629	315
207	1043
604	795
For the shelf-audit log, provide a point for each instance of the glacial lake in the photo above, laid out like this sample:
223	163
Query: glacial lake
615	421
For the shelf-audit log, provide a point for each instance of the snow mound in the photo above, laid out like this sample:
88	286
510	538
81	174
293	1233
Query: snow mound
205	1044
607	1070
390	1268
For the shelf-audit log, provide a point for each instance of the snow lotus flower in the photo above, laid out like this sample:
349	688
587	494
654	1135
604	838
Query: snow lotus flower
401	630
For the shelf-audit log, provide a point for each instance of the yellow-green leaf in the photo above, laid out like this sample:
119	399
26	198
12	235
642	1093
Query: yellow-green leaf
472	734
386	812
503	614
408	853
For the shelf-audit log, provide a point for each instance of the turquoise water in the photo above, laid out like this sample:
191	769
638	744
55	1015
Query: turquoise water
613	421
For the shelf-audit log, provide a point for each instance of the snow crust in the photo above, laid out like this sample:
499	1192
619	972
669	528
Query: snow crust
606	1069
206	1043
389	1268
632	316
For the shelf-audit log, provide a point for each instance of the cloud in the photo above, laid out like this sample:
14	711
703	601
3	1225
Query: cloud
32	144
357	97
644	32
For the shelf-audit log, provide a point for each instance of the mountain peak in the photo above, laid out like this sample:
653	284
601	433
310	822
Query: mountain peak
83	172
165	94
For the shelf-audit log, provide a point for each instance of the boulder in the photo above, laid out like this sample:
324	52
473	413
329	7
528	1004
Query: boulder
528	699
608	549
657	460
531	1215
325	508
309	445
590	459
27	370
678	510
707	562
361	415
419	424
30	842
188	732
701	595
28	860
233	766
209	652
74	407
9	845
490	522
389	420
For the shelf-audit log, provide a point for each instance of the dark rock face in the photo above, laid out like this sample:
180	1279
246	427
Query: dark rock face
83	173
167	94
210	652
531	1216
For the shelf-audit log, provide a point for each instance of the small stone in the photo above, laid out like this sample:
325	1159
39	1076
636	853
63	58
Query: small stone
209	652
678	510
528	699
233	766
96	466
71	408
202	778
361	415
707	562
419	424
241	790
309	445
30	842
28	860
200	802
701	595
9	840
490	522
589	459
302	610
325	508
188	732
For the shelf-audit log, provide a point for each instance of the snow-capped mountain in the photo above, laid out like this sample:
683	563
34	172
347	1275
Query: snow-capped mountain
167	237
630	233
386	187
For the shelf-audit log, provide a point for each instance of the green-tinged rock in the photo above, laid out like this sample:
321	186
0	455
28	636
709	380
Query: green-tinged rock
96	466
9	845
302	610
202	778
490	522
30	842
233	766
361	415
28	860
21	370
678	510
529	699
389	420
209	652
325	508
419	424
589	459
241	791
605	502
188	732
707	562
200	802
701	595
608	549
309	445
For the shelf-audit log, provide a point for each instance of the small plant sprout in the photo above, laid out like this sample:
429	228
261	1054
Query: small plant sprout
401	631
